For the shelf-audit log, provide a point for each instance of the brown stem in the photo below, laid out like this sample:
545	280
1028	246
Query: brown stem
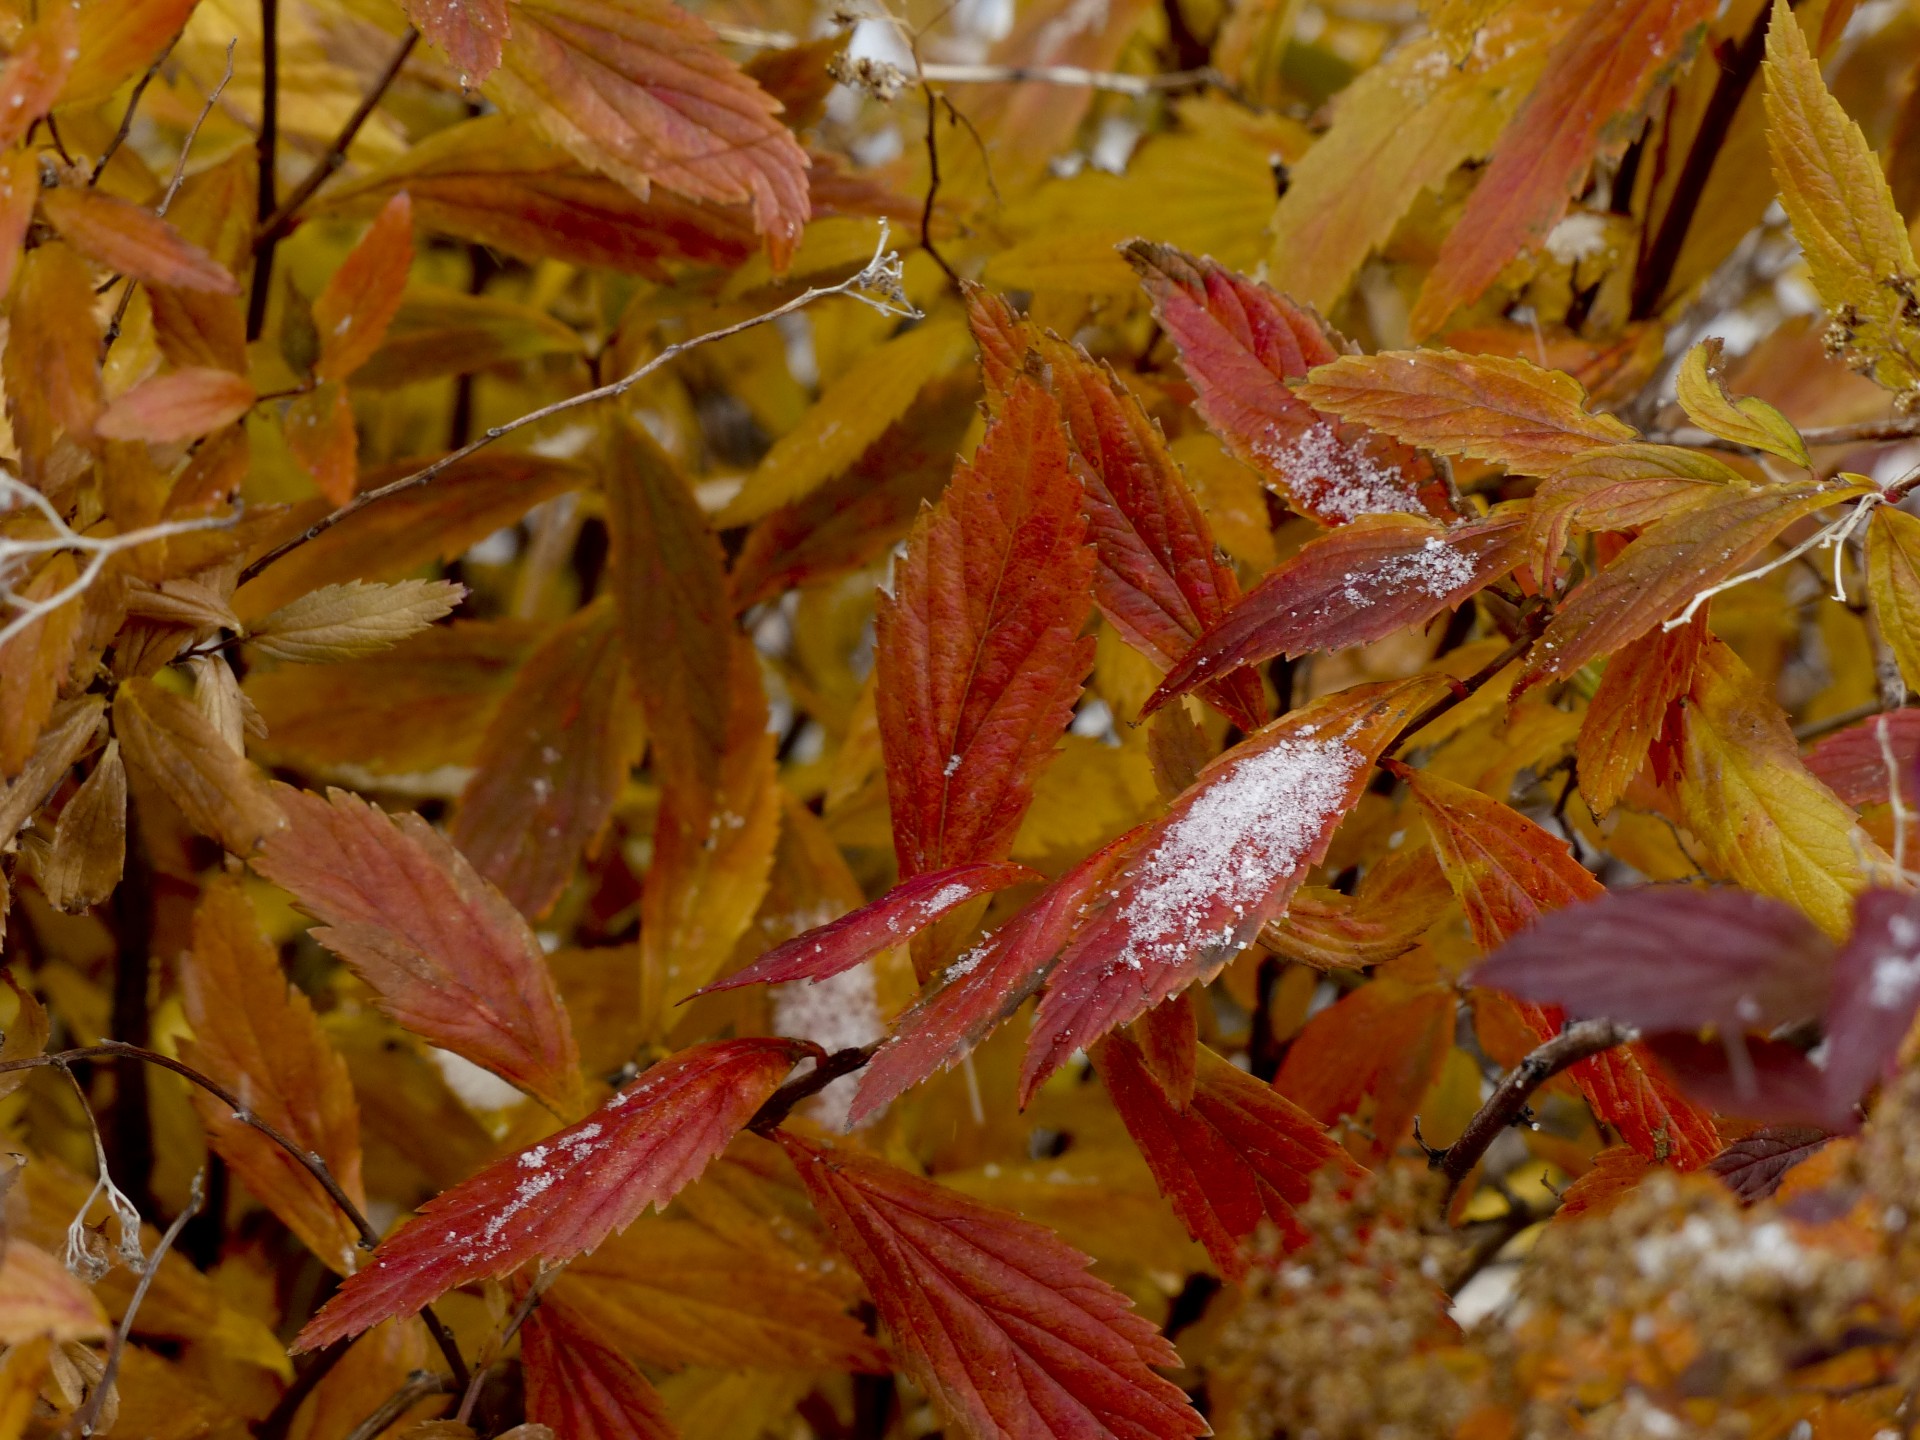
782	1102
1505	1106
933	184
419	1386
1535	621
280	1419
267	183
133	104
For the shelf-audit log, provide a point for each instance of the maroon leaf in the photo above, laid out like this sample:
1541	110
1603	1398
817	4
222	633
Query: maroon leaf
1754	1165
563	1196
1854	762
1749	1076
908	908
1876	992
1670	958
582	1389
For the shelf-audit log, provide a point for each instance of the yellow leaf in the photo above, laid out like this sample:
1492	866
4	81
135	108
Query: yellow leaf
1764	821
345	622
853	412
1893	584
1842	211
1745	420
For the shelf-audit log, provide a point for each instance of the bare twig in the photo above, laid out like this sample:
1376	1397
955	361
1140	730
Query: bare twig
1863	432
84	1417
1835	534
933	184
81	1258
133	104
420	1385
1507	1103
265	203
1536	621
280	219
528	1304
193	132
782	1102
878	285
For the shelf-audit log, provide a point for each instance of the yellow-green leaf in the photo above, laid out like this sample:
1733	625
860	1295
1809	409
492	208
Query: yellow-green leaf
1742	420
1893	585
344	622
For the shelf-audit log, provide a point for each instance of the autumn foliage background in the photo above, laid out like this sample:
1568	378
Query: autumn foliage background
1038	718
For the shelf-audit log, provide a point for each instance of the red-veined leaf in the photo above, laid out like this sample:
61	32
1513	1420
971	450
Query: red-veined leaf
179	405
1159	578
1585	109
1168	1036
1223	861
1623	487
1632	709
360	299
470	32
642	92
131	241
1239	1154
1363	582
1876	993
1754	1165
1673	560
552	763
1854	762
1240	344
994	1316
563	1196
1670	958
1487	407
583	1389
904	911
984	986
1508	872
444	952
978	649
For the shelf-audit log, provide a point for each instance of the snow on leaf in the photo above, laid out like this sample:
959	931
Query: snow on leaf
1487	407
1239	1154
444	952
995	1316
978	649
1201	881
562	1196
582	1388
903	911
1240	344
1369	579
1670	958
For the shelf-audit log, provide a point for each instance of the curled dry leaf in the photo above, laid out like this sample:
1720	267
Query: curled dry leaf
176	749
563	1196
345	622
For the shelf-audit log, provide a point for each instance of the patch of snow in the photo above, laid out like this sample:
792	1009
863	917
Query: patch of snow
1435	569
1337	479
840	1012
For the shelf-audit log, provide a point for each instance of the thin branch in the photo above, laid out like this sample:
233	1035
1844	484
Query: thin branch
1835	534
1861	432
420	1385
528	1304
193	132
265	203
783	1101
280	1419
133	104
933	184
84	1417
312	1163
1814	729
1113	82
1508	1102
878	285
280	220
1536	621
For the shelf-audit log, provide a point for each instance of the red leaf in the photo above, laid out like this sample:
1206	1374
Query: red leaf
1586	108
179	405
1670	958
1750	1076
445	953
1224	860
1754	1165
1876	993
1169	1039
1238	1155
1853	762
984	986
908	908
582	1389
1616	1172
1632	707
1159	578
552	763
994	1316
1365	581
471	32
135	242
361	298
1240	343
563	1196
978	650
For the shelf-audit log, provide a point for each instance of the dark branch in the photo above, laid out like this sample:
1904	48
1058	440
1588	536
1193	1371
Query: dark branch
266	204
782	1102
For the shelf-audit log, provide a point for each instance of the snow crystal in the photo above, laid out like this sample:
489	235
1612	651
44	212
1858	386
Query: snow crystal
1334	478
953	764
1895	978
1580	236
1241	836
837	1013
967	963
533	1159
1436	569
945	898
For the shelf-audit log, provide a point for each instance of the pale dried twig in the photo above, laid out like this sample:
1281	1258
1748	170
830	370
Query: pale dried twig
1835	534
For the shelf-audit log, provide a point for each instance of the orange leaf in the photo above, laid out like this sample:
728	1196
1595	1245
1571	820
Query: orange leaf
1239	1155
1361	583
995	1317
52	361
179	405
1586	108
641	91
445	953
552	763
320	433
1616	1172
581	1388
353	311
117	40
1661	571
134	242
1225	859
1168	1036
34	74
562	1196
19	189
978	649
471	32
1631	709
1241	344
258	1036
169	742
1507	871
1623	487
1488	407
